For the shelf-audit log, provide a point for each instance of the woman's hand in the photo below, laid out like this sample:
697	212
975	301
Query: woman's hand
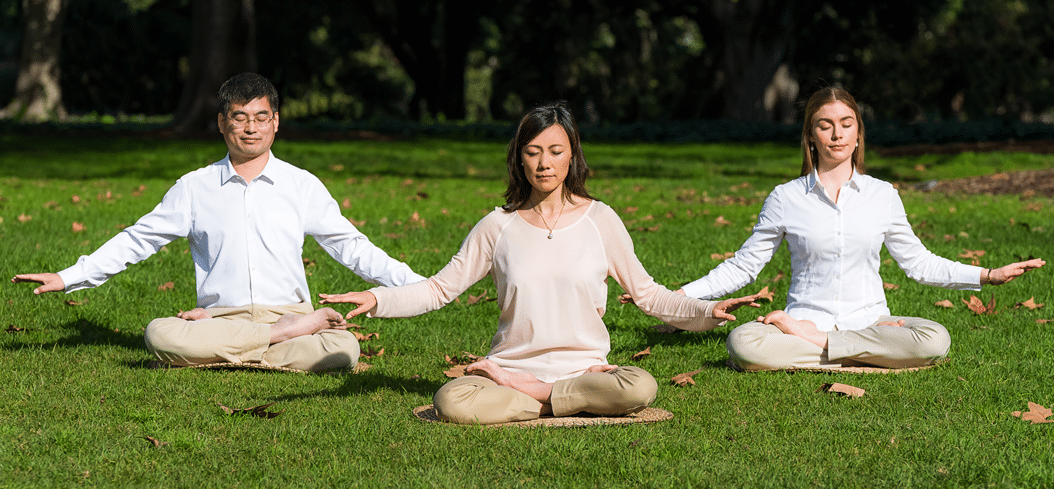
1000	276
601	368
365	300
723	308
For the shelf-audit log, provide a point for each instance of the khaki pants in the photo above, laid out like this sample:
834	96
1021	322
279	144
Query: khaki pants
479	400
757	346
243	335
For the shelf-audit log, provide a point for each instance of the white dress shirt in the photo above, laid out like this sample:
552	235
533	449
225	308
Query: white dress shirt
835	252
246	238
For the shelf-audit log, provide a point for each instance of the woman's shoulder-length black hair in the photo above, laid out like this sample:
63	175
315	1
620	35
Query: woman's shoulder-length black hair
518	193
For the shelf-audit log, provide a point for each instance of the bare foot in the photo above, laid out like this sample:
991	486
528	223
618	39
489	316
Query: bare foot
196	314
522	381
805	330
290	326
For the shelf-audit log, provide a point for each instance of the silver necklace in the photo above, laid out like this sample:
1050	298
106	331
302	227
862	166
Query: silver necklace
557	221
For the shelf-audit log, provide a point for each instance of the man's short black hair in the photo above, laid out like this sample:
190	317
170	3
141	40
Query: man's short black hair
244	88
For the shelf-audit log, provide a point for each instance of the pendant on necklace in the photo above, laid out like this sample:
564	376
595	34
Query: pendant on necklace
550	235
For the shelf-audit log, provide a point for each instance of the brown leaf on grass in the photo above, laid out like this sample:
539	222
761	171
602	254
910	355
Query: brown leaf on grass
474	299
365	337
1036	414
722	256
308	263
139	191
464	359
74	199
947	304
631	210
979	307
258	411
641	354
166	286
666	329
51	204
346	203
23	217
455	371
844	389
766	294
371	353
972	255
684	379
157	443
890	286
1030	304
721	221
78	227
71	302
357	224
11	328
1044	321
779	276
650	229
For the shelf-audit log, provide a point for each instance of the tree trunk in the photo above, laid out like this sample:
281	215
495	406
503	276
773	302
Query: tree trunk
754	38
223	44
38	95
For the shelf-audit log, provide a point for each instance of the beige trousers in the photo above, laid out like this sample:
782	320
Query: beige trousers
243	335
757	346
479	400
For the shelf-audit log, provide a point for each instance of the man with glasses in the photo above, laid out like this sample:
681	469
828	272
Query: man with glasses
245	217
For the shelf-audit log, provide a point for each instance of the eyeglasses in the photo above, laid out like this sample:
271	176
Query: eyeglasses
241	120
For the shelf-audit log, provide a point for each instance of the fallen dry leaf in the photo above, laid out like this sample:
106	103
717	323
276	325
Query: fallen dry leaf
24	217
258	411
890	286
157	443
979	307
641	354
11	328
945	303
845	389
779	276
71	302
166	286
1030	304
474	299
464	359
365	337
75	199
766	294
78	227
1044	321
721	221
371	353
1036	414
455	371
972	255
684	379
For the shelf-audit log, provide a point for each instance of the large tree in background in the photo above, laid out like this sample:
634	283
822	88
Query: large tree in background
38	95
431	39
223	44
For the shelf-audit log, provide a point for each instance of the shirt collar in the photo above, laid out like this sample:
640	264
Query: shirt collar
813	181
269	173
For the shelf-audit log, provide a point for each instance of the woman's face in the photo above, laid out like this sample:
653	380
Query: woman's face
547	159
834	131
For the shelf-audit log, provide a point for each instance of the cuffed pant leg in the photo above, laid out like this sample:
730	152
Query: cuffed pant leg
618	392
758	346
478	400
328	349
918	342
179	342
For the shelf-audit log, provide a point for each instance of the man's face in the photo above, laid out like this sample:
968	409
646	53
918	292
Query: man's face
248	129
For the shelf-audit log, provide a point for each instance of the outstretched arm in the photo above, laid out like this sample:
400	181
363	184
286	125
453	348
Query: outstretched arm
50	282
1002	275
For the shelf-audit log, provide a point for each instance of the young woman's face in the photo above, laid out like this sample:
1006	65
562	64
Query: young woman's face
834	133
547	159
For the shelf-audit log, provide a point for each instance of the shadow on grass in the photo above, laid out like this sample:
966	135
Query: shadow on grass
366	382
87	333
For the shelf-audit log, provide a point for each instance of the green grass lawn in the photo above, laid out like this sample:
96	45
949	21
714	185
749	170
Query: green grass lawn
78	400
